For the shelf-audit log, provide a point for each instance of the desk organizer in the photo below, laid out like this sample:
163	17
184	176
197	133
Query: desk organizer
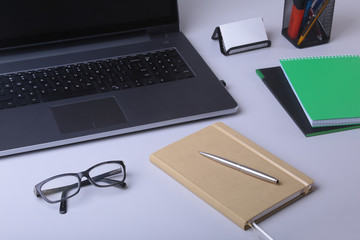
307	23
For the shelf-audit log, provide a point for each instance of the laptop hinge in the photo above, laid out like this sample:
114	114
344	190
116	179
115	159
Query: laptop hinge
160	31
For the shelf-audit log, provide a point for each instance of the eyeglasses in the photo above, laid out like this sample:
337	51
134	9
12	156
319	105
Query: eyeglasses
64	186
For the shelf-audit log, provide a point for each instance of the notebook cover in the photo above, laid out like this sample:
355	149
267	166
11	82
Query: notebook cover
278	85
327	88
238	196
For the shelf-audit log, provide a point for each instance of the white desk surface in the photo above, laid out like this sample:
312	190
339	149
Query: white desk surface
154	206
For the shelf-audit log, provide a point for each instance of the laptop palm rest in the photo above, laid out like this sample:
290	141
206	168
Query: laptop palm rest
88	115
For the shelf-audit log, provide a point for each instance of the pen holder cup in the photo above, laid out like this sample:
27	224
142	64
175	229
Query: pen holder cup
307	23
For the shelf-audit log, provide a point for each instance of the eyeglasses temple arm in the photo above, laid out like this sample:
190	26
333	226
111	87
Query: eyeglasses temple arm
119	184
63	203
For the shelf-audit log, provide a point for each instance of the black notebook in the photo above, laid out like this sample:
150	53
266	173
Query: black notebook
277	83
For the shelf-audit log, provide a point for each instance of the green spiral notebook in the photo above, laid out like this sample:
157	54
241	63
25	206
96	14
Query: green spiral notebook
327	88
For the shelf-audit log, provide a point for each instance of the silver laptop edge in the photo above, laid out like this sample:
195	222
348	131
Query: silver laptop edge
114	133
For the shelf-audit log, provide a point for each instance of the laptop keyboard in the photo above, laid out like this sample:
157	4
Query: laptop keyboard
113	74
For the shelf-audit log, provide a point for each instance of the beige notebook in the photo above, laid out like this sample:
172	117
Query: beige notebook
242	198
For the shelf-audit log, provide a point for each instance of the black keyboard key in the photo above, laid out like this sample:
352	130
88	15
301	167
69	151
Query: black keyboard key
54	96
6	98
34	100
22	102
10	104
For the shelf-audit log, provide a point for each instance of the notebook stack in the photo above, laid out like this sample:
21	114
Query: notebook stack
319	93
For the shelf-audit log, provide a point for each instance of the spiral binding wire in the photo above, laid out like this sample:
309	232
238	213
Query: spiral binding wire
320	57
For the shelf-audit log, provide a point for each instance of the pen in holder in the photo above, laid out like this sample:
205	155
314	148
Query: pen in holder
307	23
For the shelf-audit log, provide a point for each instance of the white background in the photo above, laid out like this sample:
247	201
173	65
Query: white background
154	206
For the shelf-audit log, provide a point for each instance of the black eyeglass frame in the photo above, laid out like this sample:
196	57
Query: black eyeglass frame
89	180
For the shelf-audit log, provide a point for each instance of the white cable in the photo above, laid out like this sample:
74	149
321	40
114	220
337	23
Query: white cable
256	228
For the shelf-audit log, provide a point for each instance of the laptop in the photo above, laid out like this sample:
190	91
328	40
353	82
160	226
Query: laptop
73	71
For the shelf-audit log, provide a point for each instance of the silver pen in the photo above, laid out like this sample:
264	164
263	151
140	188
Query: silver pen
241	168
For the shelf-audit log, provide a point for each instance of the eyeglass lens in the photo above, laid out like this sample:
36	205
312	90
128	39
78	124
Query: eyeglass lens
54	189
107	174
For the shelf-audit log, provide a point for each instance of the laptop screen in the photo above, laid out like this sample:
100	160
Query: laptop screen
24	22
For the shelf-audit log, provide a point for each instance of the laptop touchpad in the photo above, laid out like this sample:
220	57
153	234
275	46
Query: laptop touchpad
88	115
